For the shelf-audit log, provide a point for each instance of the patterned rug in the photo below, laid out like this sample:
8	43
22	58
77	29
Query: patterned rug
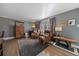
30	47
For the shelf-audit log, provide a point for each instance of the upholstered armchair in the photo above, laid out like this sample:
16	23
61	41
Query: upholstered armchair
35	34
46	38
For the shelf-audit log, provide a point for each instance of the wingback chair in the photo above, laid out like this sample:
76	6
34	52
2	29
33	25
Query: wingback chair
46	38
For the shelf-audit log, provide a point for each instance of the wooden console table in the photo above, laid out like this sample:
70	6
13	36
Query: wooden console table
67	40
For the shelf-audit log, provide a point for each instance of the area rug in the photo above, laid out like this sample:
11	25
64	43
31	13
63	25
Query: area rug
30	47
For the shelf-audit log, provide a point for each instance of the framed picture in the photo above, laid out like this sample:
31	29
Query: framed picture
71	22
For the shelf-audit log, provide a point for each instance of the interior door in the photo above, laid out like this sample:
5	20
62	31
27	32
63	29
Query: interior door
19	29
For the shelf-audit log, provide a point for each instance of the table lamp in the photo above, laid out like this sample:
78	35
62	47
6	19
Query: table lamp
58	29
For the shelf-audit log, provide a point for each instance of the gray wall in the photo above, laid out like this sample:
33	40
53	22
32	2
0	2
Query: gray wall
27	26
7	25
69	31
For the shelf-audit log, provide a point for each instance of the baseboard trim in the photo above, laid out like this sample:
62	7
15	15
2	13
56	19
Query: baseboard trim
8	38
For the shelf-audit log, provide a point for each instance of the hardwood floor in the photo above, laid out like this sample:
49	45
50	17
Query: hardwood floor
54	51
10	48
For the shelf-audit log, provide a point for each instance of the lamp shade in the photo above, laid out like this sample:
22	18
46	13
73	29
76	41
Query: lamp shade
33	25
58	28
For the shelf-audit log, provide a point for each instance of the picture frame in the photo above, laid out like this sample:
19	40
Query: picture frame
71	22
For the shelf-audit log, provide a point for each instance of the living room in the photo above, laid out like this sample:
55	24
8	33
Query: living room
23	32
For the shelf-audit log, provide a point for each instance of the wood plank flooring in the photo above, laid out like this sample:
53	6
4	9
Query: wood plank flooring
54	51
10	48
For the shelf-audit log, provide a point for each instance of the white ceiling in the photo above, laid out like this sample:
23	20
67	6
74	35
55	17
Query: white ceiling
34	11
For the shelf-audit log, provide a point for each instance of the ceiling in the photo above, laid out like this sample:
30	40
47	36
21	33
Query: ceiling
34	11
